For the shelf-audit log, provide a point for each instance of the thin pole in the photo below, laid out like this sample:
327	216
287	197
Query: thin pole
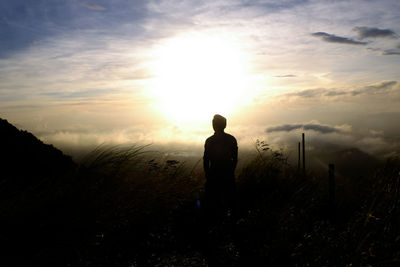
331	183
304	153
298	161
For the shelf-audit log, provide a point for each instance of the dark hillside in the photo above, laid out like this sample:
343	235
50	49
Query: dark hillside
33	176
25	159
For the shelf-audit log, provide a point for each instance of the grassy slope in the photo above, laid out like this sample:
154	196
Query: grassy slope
127	205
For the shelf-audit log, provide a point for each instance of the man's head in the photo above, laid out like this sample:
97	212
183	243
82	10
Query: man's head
219	123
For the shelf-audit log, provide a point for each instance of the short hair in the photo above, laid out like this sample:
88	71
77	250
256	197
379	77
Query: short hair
219	122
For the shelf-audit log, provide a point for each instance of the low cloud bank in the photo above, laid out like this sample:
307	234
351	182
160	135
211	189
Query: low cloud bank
310	126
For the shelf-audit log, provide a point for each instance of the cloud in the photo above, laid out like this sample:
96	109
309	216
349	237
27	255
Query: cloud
334	93
319	92
378	88
308	93
286	76
26	23
375	89
376	132
391	52
324	129
94	7
268	5
367	32
331	38
83	94
336	147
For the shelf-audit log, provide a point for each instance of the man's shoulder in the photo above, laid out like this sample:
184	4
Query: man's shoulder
231	137
210	138
218	138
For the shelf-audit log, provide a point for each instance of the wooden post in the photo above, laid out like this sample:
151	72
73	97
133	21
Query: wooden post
304	153
331	183
298	161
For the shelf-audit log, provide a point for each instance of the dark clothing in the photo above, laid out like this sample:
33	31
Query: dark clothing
220	157
219	162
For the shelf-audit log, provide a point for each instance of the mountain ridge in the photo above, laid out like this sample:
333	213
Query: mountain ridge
24	159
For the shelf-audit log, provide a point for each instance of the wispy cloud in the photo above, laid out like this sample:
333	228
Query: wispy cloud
391	52
331	38
286	76
82	94
378	88
367	32
375	89
25	23
307	93
94	6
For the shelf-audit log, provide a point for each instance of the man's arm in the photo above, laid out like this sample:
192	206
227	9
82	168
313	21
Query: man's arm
206	160
235	154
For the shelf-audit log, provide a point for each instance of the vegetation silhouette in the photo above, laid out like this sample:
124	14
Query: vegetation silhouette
129	205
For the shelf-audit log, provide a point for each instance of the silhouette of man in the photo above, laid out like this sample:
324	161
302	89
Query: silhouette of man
219	162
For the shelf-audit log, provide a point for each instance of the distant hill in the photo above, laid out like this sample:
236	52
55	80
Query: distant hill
24	159
354	162
349	162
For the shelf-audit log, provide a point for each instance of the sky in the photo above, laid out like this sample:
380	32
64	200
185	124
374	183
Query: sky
78	74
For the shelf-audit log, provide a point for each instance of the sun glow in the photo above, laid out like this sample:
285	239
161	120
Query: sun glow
197	76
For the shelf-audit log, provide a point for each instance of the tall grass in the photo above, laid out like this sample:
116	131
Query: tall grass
136	206
132	195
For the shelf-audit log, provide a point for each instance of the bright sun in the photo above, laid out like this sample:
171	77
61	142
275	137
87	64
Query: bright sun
197	76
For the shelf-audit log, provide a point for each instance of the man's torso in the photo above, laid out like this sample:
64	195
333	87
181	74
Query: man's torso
221	152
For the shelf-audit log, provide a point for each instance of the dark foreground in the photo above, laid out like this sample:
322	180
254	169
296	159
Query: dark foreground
127	206
124	207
